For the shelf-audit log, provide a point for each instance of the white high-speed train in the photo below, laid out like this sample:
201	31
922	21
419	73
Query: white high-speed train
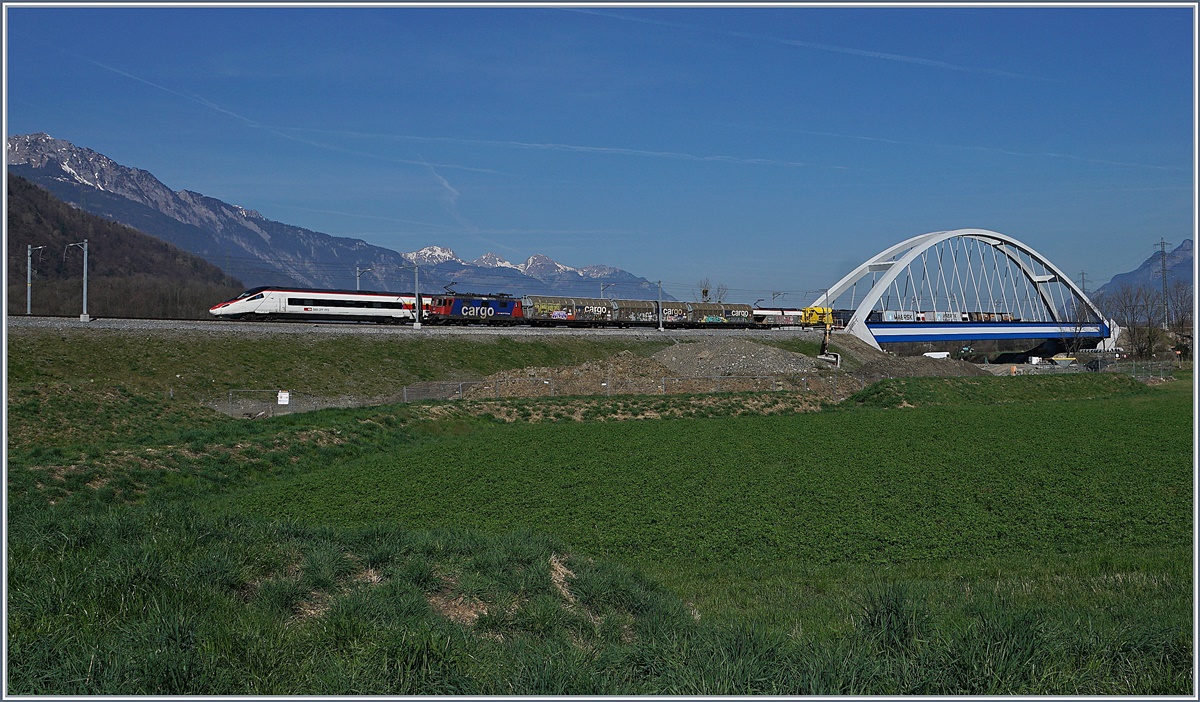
273	303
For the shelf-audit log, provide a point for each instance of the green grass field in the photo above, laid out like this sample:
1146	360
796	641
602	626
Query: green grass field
928	536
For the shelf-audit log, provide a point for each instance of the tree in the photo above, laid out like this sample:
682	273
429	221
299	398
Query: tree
710	294
1179	306
1138	311
1079	316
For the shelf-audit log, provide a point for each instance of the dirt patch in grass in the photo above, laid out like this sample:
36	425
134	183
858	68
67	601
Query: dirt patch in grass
613	409
315	606
558	575
734	357
370	576
916	367
460	610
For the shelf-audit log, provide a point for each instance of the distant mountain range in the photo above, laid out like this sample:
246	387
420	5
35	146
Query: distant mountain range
259	251
132	274
1179	267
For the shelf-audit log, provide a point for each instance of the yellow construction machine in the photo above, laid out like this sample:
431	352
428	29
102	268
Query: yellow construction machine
814	316
822	316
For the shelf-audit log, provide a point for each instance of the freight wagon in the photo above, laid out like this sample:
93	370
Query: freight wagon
599	312
266	303
542	310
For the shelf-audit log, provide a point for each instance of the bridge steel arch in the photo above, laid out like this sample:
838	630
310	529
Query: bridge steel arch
889	265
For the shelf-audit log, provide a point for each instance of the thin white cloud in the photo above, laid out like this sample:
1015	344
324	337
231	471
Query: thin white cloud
280	132
360	215
449	198
450	192
290	133
990	149
879	55
640	152
194	98
577	148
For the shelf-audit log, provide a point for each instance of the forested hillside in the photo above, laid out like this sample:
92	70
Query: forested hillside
130	274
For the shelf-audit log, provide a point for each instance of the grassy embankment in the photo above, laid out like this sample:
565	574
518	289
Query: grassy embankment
1000	535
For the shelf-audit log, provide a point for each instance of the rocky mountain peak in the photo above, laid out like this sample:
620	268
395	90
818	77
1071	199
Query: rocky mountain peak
257	250
432	256
542	266
1149	274
600	271
492	260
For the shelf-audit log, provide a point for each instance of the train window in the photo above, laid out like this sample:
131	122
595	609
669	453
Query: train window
256	297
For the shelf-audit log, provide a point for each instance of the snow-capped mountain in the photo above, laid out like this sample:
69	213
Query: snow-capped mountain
260	251
491	260
432	256
601	272
544	267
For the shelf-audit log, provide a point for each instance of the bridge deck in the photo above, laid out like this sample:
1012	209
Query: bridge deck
896	332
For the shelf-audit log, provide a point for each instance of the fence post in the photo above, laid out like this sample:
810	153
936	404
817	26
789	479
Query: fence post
405	389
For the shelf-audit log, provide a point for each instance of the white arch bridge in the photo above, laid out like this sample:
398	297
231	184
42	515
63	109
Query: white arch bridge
965	284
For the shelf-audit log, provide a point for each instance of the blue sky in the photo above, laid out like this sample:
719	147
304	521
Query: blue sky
767	149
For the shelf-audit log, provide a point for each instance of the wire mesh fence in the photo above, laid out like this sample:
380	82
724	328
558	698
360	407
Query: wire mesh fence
828	385
1146	370
255	404
437	390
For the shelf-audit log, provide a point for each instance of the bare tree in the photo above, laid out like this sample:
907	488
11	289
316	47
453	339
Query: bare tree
1137	310
1080	315
709	293
1179	305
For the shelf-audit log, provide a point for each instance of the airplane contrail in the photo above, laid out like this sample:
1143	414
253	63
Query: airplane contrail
361	215
277	131
283	132
991	149
621	151
812	45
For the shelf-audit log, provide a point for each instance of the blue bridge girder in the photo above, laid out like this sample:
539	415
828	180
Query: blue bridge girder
965	284
896	332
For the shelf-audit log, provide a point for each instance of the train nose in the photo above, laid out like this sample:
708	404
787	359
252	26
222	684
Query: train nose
217	306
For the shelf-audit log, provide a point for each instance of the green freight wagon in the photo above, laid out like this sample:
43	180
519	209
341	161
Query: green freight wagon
707	314
570	311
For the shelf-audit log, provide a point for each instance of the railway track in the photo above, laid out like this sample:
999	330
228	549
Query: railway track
216	326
